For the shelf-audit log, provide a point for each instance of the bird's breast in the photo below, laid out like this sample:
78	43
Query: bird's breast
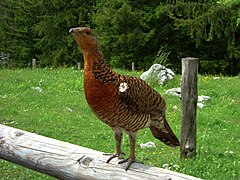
98	94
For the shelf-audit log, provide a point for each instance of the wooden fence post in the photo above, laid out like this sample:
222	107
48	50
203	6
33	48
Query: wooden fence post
79	65
133	66
34	63
189	106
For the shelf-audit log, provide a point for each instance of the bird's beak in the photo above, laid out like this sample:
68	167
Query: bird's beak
72	30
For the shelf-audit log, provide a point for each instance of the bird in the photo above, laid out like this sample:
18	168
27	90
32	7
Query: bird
127	104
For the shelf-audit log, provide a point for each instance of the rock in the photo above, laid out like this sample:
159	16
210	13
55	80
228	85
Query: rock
158	72
38	89
165	166
203	98
170	166
177	92
148	144
175	107
229	152
200	105
174	92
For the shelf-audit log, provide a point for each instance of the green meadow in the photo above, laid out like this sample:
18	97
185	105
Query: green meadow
51	102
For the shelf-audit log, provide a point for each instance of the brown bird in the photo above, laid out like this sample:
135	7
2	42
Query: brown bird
125	103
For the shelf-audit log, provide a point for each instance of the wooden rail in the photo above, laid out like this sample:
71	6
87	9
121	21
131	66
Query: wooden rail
68	161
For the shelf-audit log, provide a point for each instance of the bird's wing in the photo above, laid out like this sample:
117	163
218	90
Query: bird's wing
139	97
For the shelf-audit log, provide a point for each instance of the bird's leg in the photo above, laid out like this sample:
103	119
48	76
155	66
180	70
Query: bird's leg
131	159
118	138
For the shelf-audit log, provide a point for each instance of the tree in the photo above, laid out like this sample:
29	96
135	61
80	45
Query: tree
129	31
17	38
39	29
124	30
136	30
54	41
213	29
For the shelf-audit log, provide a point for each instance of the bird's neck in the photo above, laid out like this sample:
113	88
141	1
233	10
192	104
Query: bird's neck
94	59
96	65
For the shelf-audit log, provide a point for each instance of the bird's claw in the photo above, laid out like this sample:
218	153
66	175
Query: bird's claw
114	155
129	162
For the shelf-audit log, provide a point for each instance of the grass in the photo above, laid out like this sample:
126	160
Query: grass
61	112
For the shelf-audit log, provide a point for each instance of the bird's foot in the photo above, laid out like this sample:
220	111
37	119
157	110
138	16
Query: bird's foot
129	161
118	155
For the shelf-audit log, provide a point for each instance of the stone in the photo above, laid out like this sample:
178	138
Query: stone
158	72
201	99
215	78
177	92
38	89
174	92
147	145
200	105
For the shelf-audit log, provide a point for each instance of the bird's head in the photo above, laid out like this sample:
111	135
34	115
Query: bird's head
84	37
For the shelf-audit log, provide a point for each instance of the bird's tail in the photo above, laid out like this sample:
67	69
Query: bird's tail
165	135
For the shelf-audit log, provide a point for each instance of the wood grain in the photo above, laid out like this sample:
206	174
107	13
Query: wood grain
189	94
68	161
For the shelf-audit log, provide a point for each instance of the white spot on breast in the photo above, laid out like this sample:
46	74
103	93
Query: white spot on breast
123	87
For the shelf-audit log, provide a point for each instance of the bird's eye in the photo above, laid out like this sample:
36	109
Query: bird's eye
88	33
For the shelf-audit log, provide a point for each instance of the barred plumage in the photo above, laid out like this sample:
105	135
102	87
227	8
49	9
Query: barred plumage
123	102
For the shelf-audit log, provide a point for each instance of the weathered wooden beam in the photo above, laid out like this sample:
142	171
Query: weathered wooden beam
189	96
68	161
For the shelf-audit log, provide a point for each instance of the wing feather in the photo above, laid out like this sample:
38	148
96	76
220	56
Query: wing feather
140	97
